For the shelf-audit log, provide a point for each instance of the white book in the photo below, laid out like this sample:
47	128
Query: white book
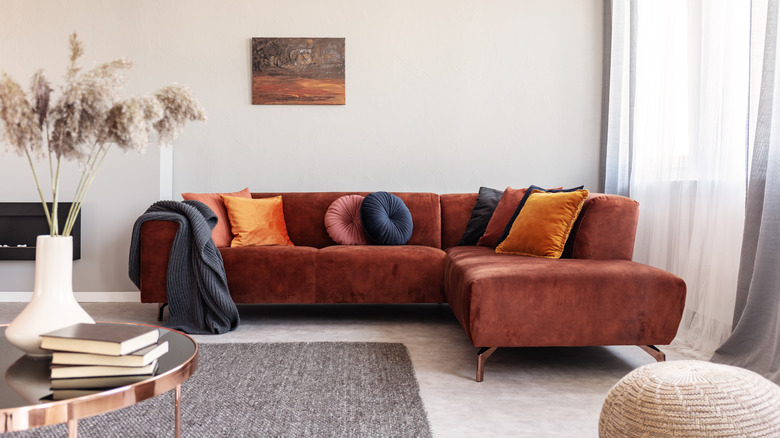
71	371
111	339
139	358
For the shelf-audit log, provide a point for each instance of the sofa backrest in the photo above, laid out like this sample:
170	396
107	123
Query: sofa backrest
304	215
605	228
455	213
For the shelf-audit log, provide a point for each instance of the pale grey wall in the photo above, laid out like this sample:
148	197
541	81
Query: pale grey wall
442	96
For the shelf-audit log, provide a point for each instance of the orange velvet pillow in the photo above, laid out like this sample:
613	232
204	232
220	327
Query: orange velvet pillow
221	234
501	216
257	222
543	225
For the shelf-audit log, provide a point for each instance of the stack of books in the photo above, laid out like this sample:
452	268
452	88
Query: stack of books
87	358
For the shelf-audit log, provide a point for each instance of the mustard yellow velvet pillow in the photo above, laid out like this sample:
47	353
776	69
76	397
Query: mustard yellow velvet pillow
543	225
256	222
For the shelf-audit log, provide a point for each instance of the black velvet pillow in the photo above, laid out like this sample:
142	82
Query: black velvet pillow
522	203
487	200
386	219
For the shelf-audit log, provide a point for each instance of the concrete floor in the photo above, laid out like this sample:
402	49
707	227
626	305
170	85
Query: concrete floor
527	392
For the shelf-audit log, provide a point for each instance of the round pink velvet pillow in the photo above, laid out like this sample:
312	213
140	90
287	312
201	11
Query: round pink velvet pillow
342	221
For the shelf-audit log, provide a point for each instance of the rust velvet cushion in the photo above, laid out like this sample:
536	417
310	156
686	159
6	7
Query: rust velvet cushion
501	216
256	222
543	225
342	221
221	234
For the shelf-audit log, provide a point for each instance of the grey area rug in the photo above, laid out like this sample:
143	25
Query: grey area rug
321	389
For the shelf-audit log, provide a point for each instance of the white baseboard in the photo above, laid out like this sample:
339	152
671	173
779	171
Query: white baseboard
82	297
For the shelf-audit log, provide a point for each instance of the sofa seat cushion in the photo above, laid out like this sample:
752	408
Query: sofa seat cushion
270	274
509	301
380	274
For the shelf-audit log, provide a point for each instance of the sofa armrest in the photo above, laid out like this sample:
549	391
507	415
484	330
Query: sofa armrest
605	229
156	240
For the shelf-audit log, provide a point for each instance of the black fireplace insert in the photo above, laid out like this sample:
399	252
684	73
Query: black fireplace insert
22	222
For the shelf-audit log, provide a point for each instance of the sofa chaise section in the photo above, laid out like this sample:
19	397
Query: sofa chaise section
508	301
593	295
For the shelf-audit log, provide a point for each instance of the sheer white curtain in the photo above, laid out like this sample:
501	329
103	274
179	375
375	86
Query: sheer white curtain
755	342
688	116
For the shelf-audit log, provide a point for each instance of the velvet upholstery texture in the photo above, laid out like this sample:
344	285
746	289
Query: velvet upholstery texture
507	301
342	221
543	224
270	274
380	274
256	222
386	220
605	229
456	211
503	213
221	234
304	214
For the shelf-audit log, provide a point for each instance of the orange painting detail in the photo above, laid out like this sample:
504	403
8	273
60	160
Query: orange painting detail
283	90
298	71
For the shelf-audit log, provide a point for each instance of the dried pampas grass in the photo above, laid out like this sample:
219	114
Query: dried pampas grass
86	119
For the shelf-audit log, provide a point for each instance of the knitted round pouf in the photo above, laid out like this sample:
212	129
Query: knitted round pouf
691	398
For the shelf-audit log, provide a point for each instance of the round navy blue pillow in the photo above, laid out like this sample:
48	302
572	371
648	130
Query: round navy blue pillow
386	220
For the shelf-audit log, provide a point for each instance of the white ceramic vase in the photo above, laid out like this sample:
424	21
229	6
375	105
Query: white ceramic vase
53	305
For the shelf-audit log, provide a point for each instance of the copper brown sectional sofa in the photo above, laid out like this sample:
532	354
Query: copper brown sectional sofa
593	295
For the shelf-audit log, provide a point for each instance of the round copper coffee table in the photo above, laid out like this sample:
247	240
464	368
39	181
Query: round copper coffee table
25	390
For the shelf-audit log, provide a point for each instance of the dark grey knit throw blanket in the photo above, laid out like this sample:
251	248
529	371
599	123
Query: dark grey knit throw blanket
198	298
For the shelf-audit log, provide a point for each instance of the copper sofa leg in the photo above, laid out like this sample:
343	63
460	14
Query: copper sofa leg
483	354
652	350
160	308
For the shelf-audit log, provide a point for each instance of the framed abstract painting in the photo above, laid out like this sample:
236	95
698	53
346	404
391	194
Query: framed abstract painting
298	71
